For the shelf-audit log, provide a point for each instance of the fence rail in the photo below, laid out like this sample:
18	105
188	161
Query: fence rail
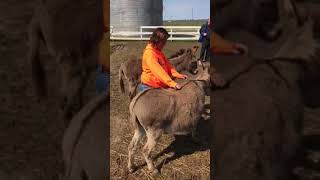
177	33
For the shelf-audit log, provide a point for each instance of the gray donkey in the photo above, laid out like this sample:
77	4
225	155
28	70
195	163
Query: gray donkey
157	111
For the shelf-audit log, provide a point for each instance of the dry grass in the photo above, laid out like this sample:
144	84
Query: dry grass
177	158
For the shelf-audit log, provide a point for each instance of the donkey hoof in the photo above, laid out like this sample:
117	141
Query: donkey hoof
155	172
131	169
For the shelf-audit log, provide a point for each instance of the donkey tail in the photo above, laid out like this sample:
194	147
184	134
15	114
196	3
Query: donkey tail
135	99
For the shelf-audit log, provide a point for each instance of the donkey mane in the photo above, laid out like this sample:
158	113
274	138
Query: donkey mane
179	56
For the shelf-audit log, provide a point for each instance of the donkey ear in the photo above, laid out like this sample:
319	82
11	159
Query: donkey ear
288	7
194	50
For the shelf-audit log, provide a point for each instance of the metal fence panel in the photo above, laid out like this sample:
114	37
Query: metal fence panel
177	33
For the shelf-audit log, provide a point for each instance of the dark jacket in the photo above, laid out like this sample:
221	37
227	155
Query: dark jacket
204	29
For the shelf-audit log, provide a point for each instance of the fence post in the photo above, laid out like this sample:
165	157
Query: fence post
140	33
171	35
111	31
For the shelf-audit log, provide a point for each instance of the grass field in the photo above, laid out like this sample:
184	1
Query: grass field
184	22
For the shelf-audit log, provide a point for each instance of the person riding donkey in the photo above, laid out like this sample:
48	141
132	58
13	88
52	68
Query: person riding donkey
157	72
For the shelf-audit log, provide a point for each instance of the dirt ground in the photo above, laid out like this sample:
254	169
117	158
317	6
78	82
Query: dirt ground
177	158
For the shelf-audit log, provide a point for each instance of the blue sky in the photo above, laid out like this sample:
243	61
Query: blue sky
182	9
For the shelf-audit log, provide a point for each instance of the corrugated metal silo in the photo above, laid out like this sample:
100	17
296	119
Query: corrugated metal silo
129	15
115	13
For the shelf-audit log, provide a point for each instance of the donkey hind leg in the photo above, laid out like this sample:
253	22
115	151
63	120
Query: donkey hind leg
152	138
138	134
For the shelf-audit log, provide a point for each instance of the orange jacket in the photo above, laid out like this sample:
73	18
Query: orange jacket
220	45
157	70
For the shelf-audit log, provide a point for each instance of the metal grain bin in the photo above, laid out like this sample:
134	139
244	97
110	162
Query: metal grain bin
115	13
129	15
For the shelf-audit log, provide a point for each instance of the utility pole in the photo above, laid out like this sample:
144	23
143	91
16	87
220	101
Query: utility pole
192	13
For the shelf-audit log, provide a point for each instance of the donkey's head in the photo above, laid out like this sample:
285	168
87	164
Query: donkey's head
185	60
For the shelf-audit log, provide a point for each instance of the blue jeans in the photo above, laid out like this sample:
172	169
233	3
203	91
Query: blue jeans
102	81
143	87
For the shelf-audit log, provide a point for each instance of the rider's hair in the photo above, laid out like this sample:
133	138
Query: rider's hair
159	35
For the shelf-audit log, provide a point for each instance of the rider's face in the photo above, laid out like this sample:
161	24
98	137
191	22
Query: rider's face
162	44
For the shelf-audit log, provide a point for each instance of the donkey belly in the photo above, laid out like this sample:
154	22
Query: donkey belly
183	127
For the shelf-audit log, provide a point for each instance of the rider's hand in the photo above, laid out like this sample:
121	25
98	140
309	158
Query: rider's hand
218	79
184	76
240	49
178	87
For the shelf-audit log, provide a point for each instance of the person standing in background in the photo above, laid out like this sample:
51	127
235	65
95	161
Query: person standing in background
204	39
